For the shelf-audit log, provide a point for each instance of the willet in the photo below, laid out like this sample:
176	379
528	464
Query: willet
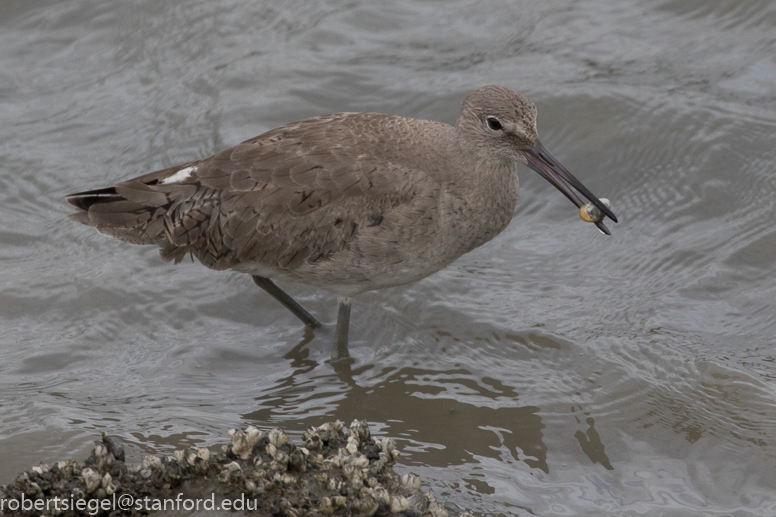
347	202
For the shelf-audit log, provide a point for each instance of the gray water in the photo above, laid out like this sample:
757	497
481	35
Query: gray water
554	371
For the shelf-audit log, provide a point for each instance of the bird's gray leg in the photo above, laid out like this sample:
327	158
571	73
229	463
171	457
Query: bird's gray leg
288	302
340	348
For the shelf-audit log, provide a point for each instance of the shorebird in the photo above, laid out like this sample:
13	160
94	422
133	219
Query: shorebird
347	202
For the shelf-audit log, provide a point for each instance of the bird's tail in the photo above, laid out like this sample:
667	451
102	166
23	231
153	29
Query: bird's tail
115	215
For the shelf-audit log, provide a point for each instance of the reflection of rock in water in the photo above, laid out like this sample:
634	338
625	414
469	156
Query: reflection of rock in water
336	471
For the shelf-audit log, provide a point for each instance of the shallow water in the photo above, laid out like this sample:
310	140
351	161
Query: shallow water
554	371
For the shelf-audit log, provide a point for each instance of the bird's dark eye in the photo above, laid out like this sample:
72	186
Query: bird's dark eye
494	124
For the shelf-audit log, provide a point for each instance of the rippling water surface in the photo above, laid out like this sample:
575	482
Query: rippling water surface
554	371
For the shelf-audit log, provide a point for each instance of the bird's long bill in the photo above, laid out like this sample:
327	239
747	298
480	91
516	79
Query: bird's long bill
542	161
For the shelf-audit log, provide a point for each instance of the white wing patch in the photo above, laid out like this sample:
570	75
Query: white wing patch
179	176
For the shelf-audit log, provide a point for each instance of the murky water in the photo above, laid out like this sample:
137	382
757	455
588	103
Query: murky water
553	371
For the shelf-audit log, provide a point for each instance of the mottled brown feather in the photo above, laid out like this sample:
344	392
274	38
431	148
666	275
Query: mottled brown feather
276	199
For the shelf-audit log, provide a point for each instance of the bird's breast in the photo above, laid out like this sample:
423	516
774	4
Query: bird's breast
477	211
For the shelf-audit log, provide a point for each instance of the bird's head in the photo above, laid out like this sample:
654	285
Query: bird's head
498	124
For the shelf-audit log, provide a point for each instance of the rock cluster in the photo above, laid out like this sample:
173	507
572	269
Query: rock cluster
335	471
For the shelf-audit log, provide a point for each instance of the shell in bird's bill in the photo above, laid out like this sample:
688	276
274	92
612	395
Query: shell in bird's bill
591	214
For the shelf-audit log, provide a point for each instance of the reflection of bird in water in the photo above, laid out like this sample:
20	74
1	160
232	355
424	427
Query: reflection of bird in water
592	445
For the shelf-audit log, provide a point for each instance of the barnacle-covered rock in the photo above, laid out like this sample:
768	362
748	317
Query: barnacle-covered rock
337	470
